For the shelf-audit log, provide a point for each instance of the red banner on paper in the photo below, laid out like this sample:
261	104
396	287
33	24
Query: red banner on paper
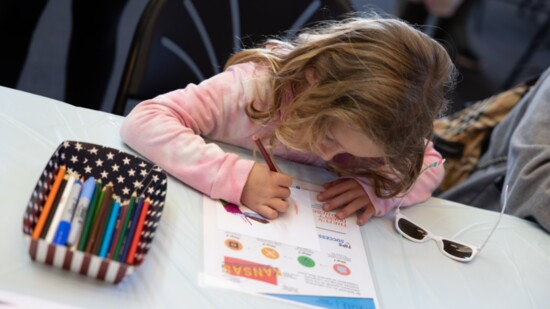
251	270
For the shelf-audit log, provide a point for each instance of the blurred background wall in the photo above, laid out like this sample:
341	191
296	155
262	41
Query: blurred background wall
499	31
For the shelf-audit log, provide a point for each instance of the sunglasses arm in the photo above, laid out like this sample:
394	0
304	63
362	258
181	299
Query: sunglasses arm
498	221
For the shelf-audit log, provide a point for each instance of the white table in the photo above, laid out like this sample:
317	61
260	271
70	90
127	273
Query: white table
513	271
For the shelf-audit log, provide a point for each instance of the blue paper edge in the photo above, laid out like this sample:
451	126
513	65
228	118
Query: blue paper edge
329	301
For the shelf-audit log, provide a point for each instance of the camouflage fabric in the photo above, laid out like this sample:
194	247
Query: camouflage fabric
463	136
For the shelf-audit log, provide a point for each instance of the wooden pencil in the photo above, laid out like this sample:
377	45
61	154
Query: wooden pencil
120	218
124	228
107	193
54	206
103	222
137	234
49	202
132	229
88	223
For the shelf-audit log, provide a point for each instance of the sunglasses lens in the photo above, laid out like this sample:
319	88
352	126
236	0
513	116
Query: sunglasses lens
456	249
412	230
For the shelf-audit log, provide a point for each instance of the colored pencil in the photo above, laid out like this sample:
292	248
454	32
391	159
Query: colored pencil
103	220
132	229
124	227
109	229
107	193
120	218
89	216
137	234
49	201
60	208
99	202
54	206
264	153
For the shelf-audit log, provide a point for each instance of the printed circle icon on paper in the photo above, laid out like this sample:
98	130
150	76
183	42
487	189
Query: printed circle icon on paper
341	269
233	244
270	253
306	261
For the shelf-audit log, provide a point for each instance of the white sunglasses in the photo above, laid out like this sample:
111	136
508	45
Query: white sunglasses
455	250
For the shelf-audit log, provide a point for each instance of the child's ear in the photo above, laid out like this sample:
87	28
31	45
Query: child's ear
311	76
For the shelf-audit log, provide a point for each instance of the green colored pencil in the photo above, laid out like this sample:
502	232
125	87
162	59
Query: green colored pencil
124	227
89	216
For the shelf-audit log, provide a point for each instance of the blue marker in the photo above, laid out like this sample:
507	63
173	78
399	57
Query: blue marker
62	233
81	210
110	229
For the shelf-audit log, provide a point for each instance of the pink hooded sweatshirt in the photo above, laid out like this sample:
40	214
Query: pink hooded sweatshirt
169	130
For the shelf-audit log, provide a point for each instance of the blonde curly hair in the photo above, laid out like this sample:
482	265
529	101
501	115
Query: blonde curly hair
380	76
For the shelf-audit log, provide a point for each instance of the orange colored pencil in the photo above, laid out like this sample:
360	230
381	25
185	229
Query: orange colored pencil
49	201
137	234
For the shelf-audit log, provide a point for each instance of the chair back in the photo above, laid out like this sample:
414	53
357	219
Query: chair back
178	42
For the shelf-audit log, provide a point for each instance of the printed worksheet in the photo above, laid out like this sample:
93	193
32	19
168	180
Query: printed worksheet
336	275
295	227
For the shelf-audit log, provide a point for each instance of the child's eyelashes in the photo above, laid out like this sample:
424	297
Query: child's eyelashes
329	138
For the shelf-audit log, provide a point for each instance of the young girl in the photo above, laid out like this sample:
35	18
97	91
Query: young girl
358	96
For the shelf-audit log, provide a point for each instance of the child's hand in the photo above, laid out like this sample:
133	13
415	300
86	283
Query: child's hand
348	195
266	192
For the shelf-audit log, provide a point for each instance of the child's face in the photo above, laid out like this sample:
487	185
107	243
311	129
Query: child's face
342	139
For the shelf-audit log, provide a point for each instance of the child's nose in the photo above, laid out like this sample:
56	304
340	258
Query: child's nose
327	157
329	153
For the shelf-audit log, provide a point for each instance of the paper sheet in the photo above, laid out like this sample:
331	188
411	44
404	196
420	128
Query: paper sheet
296	227
336	276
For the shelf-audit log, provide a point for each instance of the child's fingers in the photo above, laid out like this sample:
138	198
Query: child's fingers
333	183
337	189
279	205
341	200
281	192
267	212
273	208
282	180
366	215
352	207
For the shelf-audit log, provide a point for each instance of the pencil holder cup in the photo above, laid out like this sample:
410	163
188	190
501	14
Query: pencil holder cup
127	174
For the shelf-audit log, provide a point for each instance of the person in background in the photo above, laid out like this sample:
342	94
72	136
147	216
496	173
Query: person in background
356	96
450	26
517	156
91	50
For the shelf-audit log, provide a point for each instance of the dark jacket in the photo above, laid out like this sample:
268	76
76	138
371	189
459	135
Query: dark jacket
518	156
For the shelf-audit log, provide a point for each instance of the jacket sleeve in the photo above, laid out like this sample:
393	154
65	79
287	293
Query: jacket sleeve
421	191
528	164
168	130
